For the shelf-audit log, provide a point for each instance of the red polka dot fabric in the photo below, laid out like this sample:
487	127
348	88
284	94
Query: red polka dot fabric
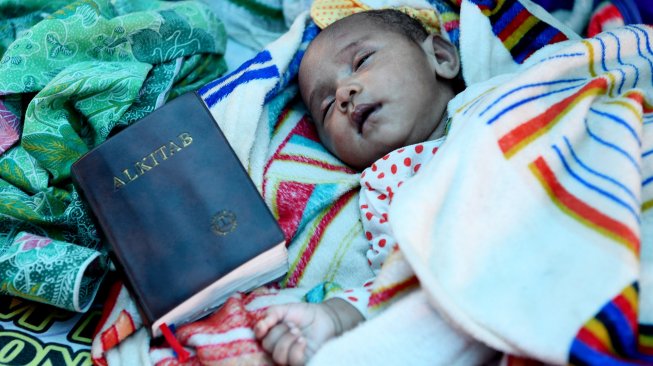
379	183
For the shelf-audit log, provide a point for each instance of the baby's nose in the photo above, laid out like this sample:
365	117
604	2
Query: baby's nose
345	98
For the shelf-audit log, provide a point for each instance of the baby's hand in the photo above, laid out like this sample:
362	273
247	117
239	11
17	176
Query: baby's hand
292	333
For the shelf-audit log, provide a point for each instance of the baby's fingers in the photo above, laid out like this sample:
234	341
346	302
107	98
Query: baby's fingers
273	316
297	353
289	349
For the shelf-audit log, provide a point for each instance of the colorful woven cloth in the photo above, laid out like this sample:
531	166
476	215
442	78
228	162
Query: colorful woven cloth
69	76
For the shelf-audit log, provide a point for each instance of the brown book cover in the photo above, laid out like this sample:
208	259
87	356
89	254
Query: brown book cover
183	221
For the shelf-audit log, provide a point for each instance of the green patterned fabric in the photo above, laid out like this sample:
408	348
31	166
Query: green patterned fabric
71	74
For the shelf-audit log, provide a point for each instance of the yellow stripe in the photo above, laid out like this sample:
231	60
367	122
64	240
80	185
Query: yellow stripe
590	51
648	204
304	245
475	99
646	340
523	143
275	203
448	17
598	330
628	104
646	106
495	9
599	229
517	35
611	82
630	294
342	250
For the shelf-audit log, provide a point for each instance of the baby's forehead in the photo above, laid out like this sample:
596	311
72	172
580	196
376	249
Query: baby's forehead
340	33
354	23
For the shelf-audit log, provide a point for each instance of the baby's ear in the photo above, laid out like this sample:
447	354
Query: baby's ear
443	56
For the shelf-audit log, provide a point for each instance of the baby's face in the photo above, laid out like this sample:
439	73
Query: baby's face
370	91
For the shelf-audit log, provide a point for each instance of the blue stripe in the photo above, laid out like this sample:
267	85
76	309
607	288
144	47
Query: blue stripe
540	41
623	74
639	49
527	100
546	83
582	354
621	335
487	3
507	17
309	34
308	143
647	153
627	64
259	74
623	64
262	57
291	72
599	174
594	188
563	55
647	181
620	121
648	44
605	68
474	103
612	147
648	120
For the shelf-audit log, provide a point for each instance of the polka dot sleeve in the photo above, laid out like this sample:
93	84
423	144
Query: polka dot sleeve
379	183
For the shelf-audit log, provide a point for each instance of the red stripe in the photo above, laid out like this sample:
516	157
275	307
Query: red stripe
282	116
535	124
382	296
276	153
647	350
109	338
590	340
101	361
316	237
182	354
318	163
627	310
582	209
239	348
109	304
454	24
131	321
601	17
514	24
559	37
639	99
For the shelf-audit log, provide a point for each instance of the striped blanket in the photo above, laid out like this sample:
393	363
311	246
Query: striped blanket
553	167
313	195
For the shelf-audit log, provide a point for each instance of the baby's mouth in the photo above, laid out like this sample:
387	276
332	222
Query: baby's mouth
361	113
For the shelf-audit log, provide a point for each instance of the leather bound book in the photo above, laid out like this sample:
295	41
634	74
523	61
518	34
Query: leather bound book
183	221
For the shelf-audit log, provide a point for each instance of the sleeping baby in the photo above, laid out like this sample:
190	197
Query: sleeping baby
377	85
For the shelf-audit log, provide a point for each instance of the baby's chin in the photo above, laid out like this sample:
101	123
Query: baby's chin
362	164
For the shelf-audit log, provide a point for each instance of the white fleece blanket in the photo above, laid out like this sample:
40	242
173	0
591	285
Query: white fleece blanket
531	228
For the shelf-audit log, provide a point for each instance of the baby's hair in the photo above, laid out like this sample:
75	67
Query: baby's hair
396	21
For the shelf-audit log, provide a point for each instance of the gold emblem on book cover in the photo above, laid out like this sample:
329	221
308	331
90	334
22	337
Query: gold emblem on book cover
224	222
